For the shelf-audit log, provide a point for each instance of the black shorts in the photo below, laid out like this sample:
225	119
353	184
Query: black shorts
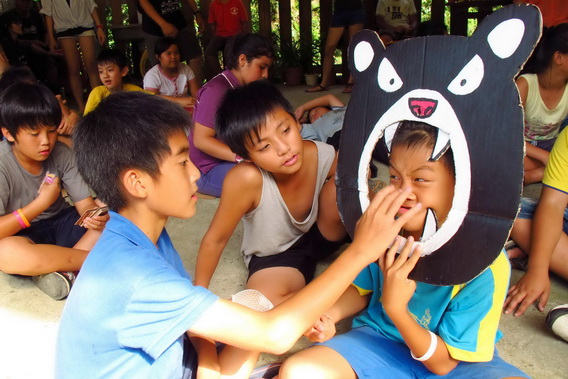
302	255
59	230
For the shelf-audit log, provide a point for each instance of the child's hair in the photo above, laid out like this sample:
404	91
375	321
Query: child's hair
127	130
431	28
244	111
16	74
252	45
112	56
28	105
553	39
414	134
309	112
163	45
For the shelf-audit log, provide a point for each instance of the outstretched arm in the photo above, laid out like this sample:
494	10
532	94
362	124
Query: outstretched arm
241	191
278	329
322	101
545	234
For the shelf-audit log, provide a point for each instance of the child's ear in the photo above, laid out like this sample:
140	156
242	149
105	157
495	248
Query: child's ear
8	135
124	71
134	183
242	60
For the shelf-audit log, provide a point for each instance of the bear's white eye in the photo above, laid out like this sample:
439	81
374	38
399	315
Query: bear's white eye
388	79
469	77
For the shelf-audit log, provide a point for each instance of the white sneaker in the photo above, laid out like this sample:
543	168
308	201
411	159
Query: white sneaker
557	320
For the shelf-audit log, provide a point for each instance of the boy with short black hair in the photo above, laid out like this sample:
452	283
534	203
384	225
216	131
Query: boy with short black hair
113	68
134	302
410	329
284	193
37	231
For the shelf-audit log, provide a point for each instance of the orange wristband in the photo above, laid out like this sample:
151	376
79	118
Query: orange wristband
22	220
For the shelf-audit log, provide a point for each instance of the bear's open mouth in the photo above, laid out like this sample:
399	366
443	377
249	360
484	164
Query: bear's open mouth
413	106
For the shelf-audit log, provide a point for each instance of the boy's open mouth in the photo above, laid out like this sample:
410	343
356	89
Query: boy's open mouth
432	108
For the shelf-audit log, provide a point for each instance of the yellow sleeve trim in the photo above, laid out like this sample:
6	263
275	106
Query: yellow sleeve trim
362	292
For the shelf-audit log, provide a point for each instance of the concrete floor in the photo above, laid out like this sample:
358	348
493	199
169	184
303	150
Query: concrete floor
29	319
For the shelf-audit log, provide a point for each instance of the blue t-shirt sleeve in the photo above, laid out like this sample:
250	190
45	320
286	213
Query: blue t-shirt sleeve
364	281
469	325
163	307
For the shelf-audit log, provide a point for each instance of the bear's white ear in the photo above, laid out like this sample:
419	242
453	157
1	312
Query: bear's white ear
363	55
506	37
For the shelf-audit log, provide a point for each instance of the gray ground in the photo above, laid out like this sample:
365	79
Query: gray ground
29	319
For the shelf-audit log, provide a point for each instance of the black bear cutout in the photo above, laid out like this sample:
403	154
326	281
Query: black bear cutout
465	87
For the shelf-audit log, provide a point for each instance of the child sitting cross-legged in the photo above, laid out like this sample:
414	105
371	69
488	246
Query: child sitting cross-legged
284	193
38	235
410	329
134	302
113	68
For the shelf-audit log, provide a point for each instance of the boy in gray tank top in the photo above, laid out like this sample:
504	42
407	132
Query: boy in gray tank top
284	192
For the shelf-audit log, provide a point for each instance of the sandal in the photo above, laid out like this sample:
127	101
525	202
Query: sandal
318	88
348	88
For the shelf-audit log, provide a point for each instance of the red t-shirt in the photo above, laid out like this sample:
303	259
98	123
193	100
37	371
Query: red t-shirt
227	17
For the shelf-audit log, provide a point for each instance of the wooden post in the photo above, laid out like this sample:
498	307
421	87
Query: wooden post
264	18
285	19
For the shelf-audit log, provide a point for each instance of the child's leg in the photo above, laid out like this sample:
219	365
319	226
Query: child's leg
237	363
329	222
19	255
277	283
317	362
88	50
73	61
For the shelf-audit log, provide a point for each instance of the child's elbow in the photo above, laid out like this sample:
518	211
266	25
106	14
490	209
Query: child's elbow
280	339
443	368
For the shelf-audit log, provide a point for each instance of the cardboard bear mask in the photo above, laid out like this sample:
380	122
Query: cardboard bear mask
465	88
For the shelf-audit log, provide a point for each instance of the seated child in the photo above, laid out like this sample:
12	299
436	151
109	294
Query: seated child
284	193
410	329
396	19
322	119
113	68
133	303
545	239
37	231
170	78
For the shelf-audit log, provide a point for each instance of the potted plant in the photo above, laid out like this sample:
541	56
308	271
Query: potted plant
296	59
310	53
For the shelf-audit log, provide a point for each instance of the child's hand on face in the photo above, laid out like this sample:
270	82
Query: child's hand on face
397	288
378	227
322	330
49	191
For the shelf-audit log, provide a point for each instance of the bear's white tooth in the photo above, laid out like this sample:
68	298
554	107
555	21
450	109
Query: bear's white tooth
430	225
389	133
442	144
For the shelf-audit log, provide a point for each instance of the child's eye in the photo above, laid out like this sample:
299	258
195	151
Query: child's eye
54	130
393	177
264	148
421	180
184	163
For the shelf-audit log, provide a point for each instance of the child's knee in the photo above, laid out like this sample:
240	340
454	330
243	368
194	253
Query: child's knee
297	366
11	250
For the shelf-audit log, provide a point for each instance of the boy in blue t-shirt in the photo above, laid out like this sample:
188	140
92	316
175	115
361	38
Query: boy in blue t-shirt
410	329
134	302
38	235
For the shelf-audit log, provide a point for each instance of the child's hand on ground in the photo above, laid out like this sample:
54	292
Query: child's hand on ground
531	287
322	330
397	288
378	226
49	192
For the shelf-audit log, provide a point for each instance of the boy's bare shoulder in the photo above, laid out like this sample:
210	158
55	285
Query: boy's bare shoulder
244	176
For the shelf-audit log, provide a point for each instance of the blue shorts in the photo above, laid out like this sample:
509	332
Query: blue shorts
59	230
528	207
211	183
347	18
371	355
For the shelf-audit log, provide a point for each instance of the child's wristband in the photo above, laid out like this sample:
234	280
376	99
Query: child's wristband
99	26
431	349
22	220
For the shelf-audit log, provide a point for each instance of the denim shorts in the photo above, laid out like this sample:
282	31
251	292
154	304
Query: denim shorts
347	18
372	355
528	207
59	230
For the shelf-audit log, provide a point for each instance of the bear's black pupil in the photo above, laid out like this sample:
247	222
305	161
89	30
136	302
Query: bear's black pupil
391	82
462	83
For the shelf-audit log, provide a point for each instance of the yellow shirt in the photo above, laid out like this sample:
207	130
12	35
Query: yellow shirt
100	92
556	172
